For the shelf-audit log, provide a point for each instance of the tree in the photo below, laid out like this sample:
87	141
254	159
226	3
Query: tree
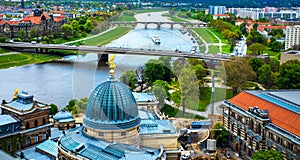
189	88
255	25
160	92
267	155
200	71
89	26
3	39
67	29
237	73
255	63
76	110
289	75
265	75
154	70
129	79
22	34
276	46
32	33
75	25
70	106
231	37
257	48
221	135
166	60
53	109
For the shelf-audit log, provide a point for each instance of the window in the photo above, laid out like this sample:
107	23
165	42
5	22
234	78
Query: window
101	134
27	140
44	120
8	140
27	125
123	133
18	145
35	123
36	138
8	147
44	136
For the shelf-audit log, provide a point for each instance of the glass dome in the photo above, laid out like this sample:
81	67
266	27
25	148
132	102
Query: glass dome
111	106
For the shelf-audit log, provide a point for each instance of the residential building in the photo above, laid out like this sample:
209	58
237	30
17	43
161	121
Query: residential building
24	122
292	36
221	16
146	101
216	10
264	120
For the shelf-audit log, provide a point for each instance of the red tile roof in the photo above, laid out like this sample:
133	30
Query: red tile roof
279	116
261	28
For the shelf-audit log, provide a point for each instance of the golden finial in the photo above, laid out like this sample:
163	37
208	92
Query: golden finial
16	93
112	65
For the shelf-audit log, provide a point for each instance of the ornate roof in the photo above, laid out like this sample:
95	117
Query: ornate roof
62	115
111	106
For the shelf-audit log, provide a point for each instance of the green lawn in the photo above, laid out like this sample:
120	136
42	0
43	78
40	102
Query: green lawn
213	49
174	112
219	35
271	53
226	49
107	37
126	18
13	60
176	19
207	36
206	97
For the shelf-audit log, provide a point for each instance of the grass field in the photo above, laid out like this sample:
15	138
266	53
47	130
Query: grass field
205	97
125	18
213	49
13	60
271	53
174	112
176	19
207	36
107	37
219	35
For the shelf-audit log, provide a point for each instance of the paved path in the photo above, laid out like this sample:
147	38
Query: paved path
204	42
83	39
218	110
220	42
9	53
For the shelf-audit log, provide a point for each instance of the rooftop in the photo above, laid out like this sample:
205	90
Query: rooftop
49	147
283	106
92	148
144	97
7	119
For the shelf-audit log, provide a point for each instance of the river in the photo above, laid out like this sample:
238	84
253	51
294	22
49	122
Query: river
57	82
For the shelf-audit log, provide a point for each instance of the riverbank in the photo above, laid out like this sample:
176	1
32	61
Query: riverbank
21	59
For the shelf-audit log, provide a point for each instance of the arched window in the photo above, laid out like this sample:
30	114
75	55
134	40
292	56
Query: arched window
44	136
36	138
44	120
35	123
18	145
28	140
27	125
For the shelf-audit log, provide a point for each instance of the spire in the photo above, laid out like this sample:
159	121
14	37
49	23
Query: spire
112	67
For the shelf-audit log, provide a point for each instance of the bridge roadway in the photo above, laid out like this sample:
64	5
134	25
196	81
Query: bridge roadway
134	23
116	50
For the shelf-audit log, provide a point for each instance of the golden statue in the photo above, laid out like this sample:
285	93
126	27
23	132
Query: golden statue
16	93
112	64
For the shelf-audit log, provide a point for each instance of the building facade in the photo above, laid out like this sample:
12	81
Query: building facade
263	120
42	23
63	120
28	123
292	36
216	10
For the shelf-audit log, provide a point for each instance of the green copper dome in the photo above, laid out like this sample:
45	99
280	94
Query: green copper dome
111	106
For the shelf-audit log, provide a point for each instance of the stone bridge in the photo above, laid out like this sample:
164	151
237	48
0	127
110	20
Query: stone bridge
159	24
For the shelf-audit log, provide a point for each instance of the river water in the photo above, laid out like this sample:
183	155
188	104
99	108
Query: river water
57	82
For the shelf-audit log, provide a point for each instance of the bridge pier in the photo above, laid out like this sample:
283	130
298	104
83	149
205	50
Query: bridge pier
158	26
145	26
102	60
172	26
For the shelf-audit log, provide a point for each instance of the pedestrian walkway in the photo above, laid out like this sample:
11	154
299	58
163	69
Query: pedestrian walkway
204	42
216	105
220	42
83	39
